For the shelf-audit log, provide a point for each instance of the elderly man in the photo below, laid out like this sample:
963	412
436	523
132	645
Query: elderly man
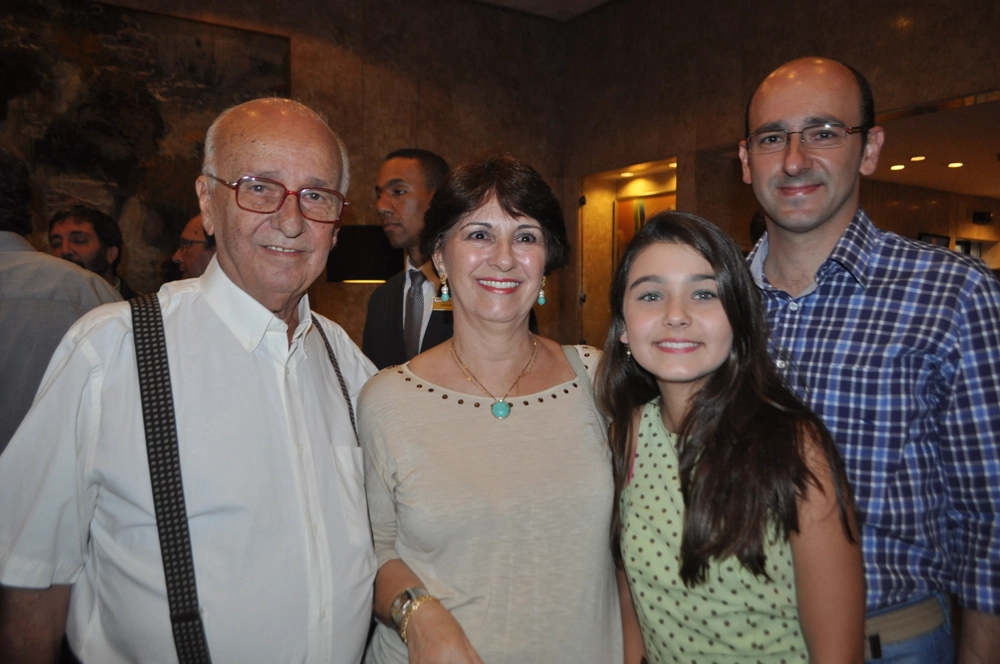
263	392
92	240
401	321
194	250
896	344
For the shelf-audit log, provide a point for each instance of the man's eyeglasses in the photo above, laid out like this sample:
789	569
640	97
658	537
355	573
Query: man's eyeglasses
265	196
185	244
814	137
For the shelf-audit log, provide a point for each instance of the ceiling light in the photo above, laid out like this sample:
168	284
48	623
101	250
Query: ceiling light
955	164
896	167
918	158
627	174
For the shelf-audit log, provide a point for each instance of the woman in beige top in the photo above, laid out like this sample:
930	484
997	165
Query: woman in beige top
487	467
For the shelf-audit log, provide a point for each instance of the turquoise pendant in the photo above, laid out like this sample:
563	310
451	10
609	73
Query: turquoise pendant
501	409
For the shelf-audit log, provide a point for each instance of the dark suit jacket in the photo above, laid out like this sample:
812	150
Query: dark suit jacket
383	336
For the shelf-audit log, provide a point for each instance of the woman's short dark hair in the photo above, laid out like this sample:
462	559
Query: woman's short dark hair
519	190
741	445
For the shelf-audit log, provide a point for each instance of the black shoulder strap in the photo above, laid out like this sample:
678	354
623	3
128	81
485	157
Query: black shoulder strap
340	376
165	477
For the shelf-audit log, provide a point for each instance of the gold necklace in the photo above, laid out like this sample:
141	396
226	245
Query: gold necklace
500	407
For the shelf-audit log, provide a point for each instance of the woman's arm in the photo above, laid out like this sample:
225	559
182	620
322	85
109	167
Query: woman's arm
635	649
829	576
432	633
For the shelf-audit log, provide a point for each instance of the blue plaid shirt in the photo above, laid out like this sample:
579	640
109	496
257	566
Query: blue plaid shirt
897	348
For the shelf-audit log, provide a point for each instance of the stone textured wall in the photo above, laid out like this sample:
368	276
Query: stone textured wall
452	76
632	81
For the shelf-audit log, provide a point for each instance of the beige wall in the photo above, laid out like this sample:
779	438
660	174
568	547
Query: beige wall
651	80
910	211
632	81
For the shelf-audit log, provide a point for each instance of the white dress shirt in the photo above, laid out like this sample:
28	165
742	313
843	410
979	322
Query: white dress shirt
272	476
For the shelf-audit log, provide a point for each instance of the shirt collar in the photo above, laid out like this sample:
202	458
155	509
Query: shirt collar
246	318
10	241
427	268
854	249
852	252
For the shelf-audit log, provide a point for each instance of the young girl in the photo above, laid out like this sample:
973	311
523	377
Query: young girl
732	523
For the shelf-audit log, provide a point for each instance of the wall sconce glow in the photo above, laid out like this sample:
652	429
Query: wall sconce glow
918	158
896	167
672	164
955	164
627	174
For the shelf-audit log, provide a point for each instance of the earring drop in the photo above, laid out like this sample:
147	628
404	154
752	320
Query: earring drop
628	351
541	293
445	293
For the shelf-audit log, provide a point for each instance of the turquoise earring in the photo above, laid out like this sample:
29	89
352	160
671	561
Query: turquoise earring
445	293
541	293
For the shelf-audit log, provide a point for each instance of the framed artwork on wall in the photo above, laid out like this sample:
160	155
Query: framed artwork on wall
109	106
631	214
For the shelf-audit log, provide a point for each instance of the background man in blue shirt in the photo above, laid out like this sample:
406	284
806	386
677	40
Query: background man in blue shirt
896	344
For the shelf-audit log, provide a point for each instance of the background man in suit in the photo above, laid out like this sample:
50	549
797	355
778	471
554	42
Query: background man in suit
405	185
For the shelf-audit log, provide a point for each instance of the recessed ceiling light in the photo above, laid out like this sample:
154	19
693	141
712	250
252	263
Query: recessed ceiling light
955	164
627	174
896	167
918	158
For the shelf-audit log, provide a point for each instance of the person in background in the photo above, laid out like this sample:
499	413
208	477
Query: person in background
194	250
40	297
486	461
401	321
732	518
92	240
896	346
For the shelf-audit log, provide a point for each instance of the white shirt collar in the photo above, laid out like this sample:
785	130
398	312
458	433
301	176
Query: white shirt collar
246	318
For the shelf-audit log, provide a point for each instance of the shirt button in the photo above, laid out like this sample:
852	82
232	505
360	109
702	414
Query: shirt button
780	364
794	306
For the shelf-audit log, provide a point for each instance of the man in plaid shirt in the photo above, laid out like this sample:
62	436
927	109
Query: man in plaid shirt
896	344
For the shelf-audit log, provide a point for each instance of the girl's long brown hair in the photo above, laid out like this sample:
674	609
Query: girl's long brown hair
741	445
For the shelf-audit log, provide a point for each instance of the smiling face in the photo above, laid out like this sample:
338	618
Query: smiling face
403	197
273	257
675	323
803	191
494	264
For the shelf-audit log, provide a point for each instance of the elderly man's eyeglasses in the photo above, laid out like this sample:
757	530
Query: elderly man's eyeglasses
814	137
265	196
184	244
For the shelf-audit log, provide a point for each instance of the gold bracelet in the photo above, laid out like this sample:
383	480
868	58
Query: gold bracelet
412	606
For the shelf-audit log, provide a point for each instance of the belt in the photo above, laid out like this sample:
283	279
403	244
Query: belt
902	624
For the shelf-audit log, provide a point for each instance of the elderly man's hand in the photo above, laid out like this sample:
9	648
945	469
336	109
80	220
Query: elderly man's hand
435	637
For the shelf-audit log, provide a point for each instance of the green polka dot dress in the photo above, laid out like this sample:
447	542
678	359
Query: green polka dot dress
733	616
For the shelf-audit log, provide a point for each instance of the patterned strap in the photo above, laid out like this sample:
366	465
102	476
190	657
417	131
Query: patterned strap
165	477
340	376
